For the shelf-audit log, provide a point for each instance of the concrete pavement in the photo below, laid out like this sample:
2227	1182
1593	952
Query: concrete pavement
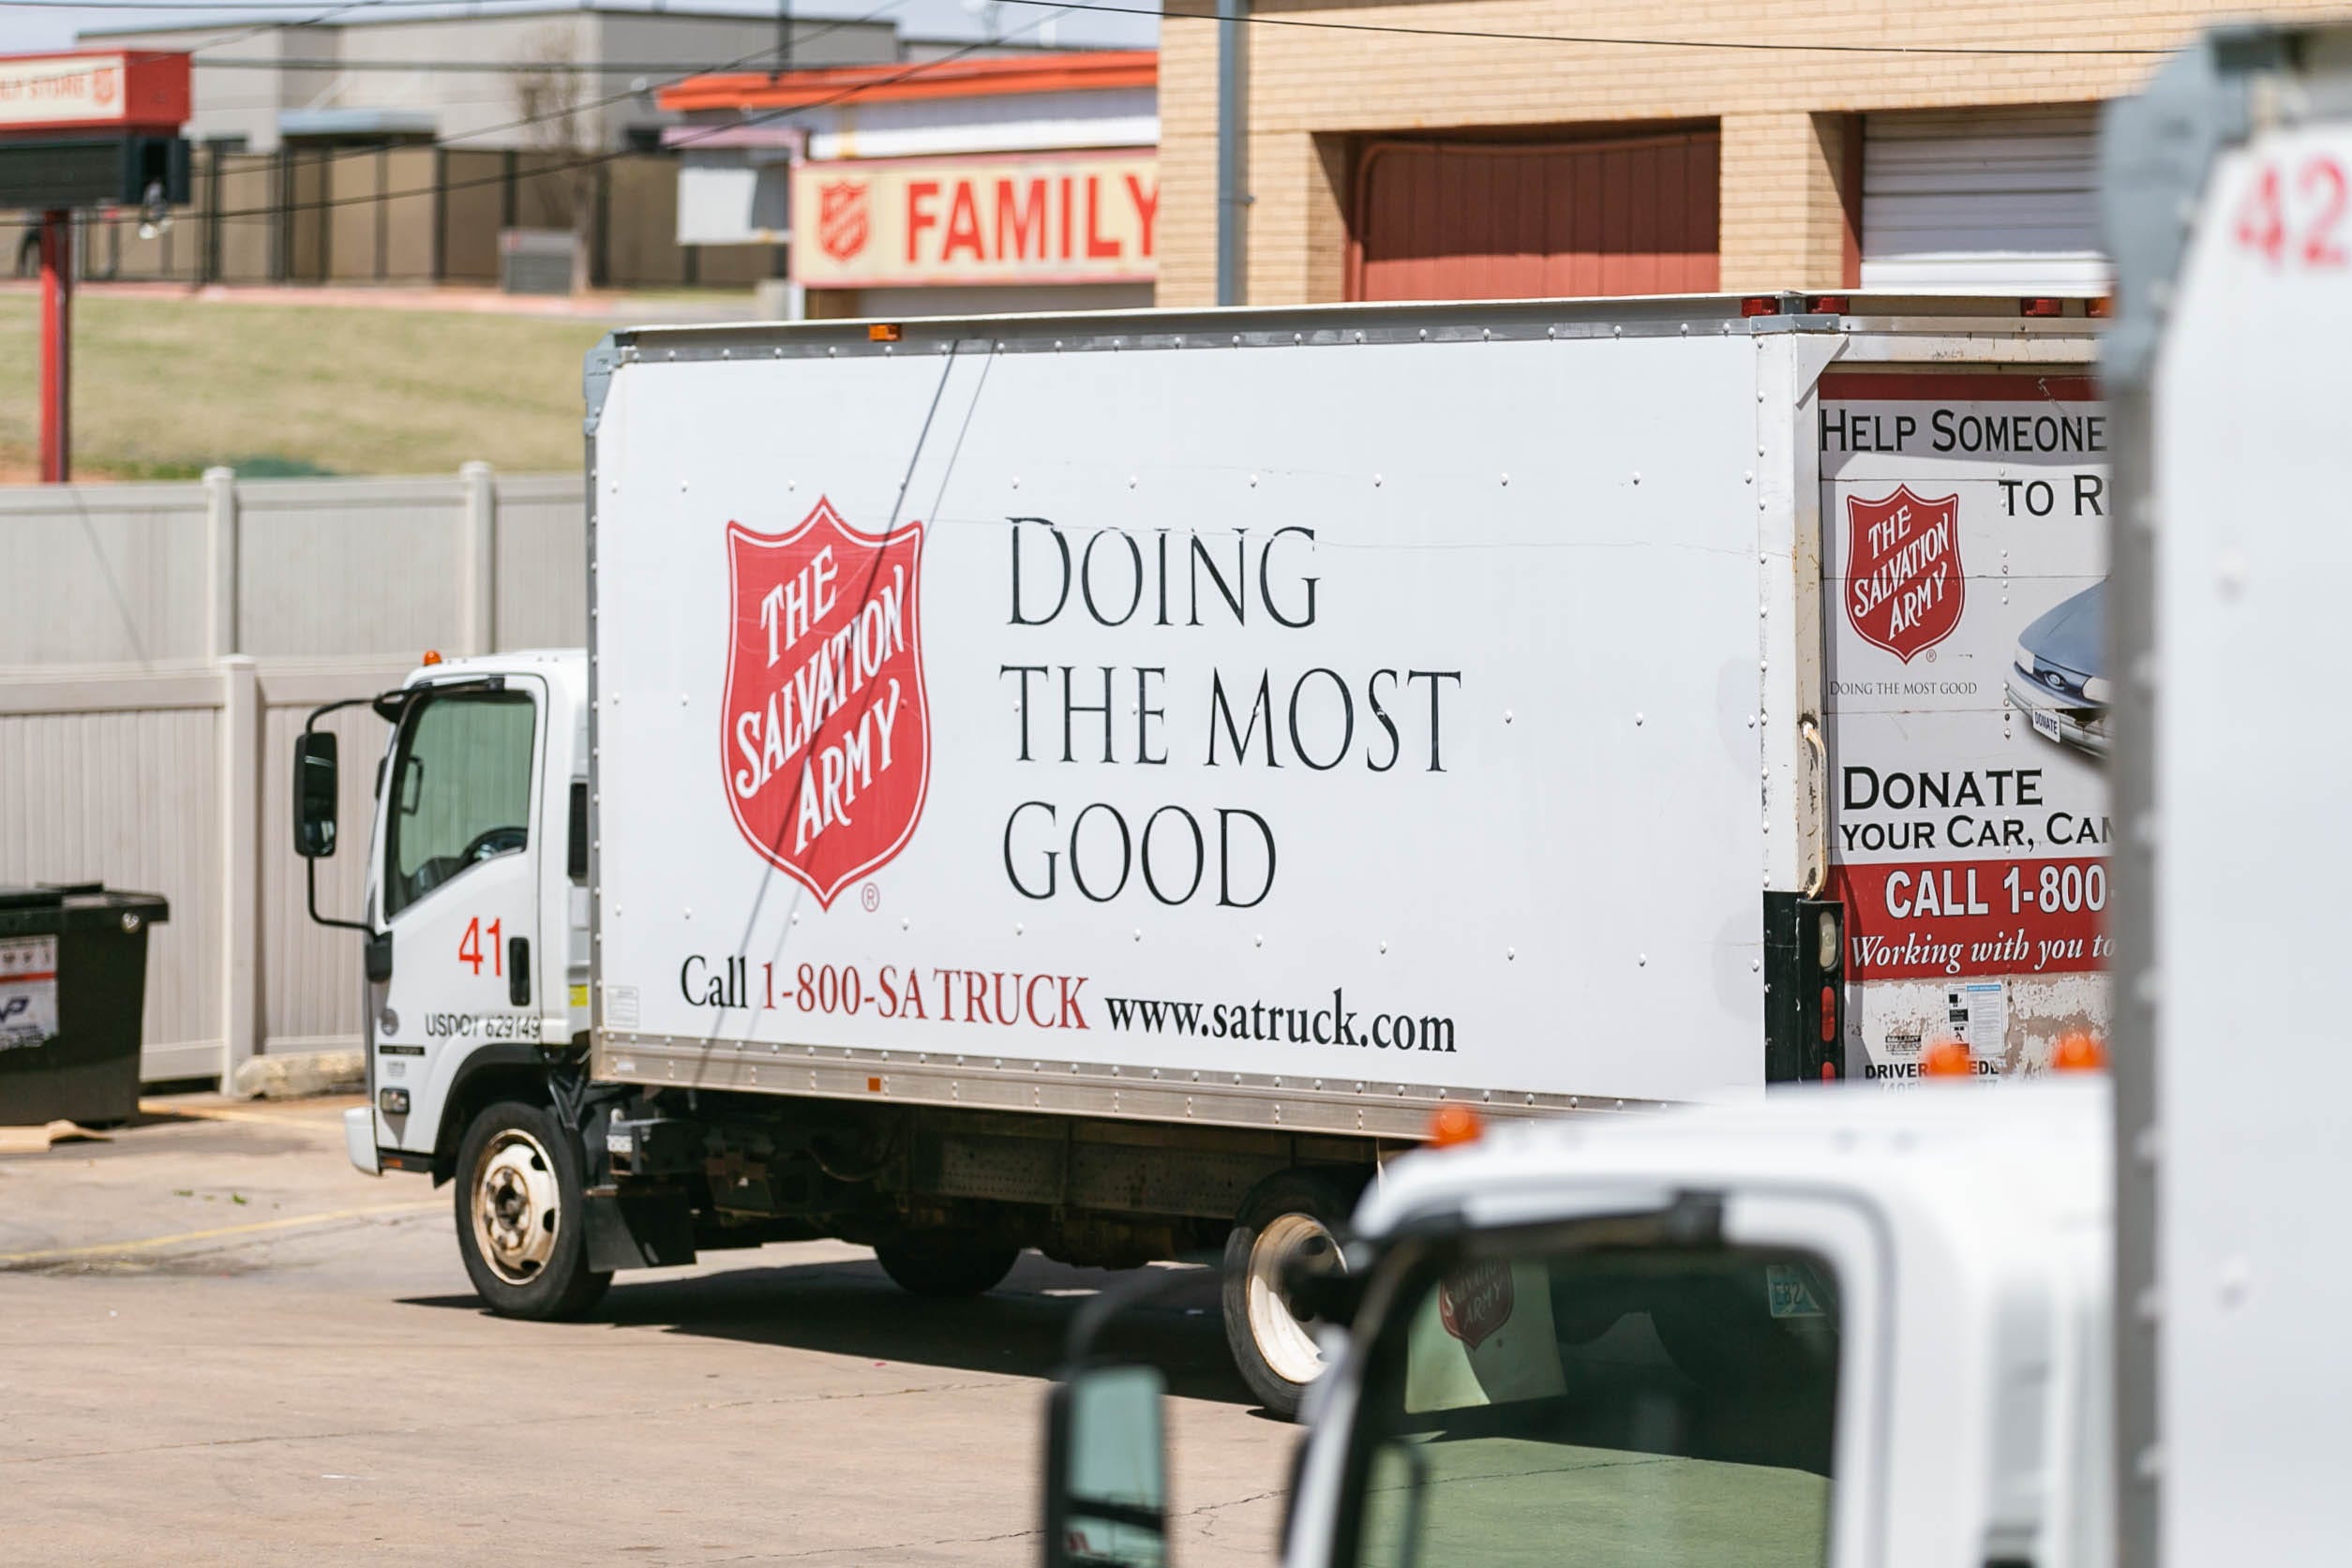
226	1345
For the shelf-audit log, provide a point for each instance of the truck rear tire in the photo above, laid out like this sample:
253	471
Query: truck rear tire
1289	1214
519	1215
945	1263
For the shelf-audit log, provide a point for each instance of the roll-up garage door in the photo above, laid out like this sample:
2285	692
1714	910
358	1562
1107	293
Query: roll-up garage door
1485	220
1997	199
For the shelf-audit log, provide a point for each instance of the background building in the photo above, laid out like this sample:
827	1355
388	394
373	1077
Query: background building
1503	147
468	78
397	148
1013	183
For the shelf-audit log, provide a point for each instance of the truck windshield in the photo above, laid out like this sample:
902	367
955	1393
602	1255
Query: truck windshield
461	791
1636	1409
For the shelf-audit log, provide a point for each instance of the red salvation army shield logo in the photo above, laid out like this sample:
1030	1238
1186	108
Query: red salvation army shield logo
825	748
1477	1301
1904	590
842	223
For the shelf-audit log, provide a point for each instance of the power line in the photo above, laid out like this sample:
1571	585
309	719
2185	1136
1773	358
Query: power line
458	8
1759	45
493	67
1260	19
302	22
596	161
340	155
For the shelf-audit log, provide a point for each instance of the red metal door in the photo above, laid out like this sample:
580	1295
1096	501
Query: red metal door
1493	221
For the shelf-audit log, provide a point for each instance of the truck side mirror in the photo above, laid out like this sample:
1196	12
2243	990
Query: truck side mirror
315	787
1106	1472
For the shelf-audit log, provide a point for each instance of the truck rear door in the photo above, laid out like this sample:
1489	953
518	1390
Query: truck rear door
457	893
1964	516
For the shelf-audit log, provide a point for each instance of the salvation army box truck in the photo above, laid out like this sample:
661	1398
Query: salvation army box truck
1098	783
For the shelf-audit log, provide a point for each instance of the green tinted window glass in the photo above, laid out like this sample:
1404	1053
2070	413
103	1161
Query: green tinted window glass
460	791
1641	1408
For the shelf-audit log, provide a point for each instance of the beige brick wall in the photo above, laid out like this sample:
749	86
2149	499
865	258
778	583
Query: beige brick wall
1780	109
1783	222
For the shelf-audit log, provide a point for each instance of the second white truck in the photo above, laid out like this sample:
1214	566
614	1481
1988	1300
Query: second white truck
1097	783
2054	1324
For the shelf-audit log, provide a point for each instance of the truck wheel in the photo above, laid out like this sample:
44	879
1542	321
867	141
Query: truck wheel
945	1263
1292	1214
519	1204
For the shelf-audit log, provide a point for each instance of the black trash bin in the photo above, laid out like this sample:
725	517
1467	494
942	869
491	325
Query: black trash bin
73	978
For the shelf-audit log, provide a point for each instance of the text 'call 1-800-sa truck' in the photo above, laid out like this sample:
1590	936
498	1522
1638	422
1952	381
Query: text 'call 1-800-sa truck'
1098	783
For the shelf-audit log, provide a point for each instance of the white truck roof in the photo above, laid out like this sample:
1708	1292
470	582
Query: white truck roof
1886	1149
1973	1282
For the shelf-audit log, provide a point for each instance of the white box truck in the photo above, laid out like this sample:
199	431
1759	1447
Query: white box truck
1097	783
2062	1324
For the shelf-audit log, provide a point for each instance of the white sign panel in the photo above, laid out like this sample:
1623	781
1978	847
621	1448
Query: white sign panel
1964	523
28	991
1183	711
61	89
1033	218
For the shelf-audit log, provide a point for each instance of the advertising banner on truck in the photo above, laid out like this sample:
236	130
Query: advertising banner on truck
1964	541
1153	711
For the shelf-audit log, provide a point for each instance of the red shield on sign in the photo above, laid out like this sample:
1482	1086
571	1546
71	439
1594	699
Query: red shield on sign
1474	1301
825	744
841	225
1904	590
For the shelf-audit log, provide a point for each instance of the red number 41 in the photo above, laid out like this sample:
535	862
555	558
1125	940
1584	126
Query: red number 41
470	947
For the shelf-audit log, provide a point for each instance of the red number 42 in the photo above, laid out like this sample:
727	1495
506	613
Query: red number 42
470	947
2319	191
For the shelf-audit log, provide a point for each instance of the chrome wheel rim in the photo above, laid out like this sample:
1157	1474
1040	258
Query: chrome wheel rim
518	1207
1288	1349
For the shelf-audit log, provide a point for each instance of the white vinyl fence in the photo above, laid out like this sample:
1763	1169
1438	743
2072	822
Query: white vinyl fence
161	644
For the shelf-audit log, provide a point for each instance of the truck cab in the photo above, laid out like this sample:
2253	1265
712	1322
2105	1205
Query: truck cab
475	903
1727	1334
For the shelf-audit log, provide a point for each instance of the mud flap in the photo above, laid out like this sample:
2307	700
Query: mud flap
638	1230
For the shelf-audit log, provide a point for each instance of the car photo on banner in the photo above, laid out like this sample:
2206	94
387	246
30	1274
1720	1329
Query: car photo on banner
2057	679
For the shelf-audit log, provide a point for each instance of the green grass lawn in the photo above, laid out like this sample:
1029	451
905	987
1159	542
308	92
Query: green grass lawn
164	388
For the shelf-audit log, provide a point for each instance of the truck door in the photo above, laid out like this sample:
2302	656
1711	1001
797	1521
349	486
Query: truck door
456	896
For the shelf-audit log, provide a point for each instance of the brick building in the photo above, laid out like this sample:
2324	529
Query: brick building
1431	163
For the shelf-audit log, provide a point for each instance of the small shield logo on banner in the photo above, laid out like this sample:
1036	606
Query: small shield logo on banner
1904	589
1475	1300
825	749
842	223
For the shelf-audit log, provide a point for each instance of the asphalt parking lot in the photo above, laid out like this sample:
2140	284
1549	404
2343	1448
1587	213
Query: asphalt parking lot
224	1344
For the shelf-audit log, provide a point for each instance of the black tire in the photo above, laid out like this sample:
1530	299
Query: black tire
1323	1198
531	1216
945	1263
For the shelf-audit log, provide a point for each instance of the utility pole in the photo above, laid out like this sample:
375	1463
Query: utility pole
85	131
784	35
1233	131
56	433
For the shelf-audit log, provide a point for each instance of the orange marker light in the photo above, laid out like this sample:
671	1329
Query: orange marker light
2078	1054
432	656
1455	1125
882	331
1949	1060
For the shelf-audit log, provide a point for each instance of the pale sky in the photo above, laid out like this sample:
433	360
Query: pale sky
26	30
